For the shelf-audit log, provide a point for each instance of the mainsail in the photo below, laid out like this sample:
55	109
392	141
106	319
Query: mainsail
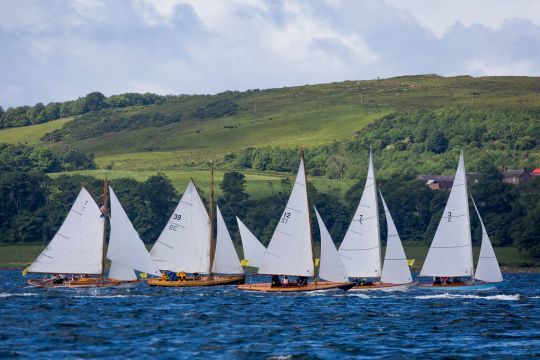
360	249
253	249
450	253
289	251
395	269
330	266
126	249
487	268
184	244
77	247
225	257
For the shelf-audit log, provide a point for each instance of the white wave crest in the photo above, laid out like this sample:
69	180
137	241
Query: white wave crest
502	297
4	295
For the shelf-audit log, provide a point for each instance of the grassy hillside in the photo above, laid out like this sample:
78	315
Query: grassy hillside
190	130
30	134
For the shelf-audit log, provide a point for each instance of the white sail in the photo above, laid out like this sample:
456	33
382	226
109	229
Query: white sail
253	249
184	244
360	249
330	266
450	253
289	251
487	268
125	246
395	269
226	259
121	272
77	247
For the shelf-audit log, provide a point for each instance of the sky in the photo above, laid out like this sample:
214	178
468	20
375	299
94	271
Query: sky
57	50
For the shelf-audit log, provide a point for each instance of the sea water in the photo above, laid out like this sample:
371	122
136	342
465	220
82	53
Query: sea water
224	322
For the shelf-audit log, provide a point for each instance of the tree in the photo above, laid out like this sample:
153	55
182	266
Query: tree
44	159
77	160
93	101
436	142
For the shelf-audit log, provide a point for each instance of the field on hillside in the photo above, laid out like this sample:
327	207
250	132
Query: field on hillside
30	134
258	184
22	255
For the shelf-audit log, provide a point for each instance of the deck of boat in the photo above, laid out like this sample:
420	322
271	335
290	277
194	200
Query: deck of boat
321	285
460	286
75	283
203	281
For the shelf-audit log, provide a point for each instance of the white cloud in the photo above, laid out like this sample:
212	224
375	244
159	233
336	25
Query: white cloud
439	16
500	67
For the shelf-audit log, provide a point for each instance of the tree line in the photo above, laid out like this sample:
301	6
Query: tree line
40	113
32	207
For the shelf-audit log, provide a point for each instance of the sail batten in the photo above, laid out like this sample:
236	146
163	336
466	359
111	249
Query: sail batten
184	243
289	251
360	249
77	247
450	253
126	249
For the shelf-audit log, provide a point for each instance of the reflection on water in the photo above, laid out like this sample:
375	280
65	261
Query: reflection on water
223	322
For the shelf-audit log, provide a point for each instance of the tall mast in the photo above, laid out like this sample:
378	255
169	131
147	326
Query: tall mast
309	220
212	242
104	211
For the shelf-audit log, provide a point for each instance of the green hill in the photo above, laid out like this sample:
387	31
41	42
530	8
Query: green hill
187	131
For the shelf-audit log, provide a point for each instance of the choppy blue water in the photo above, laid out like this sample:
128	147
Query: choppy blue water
223	322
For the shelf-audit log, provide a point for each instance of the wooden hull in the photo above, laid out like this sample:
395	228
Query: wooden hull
321	285
460	287
378	286
79	283
204	281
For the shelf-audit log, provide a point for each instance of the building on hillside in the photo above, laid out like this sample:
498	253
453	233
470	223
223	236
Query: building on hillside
443	182
516	177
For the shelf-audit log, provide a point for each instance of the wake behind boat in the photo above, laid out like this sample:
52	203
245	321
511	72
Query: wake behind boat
450	256
290	251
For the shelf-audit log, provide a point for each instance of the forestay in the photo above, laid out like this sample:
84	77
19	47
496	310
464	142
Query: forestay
184	244
289	251
253	249
360	249
226	259
450	253
125	246
330	266
487	269
77	247
395	269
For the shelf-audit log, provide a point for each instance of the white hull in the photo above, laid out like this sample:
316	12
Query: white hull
385	287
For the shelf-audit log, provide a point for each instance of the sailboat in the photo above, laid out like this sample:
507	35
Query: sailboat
253	249
290	251
186	246
450	255
360	249
76	254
